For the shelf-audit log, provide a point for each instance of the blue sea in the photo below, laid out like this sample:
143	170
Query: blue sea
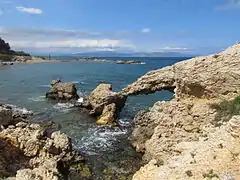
25	85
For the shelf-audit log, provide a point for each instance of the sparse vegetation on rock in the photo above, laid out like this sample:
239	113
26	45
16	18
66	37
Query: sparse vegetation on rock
226	110
196	134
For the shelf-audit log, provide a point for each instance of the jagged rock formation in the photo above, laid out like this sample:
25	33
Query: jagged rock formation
10	115
28	152
104	103
211	76
180	139
215	156
62	91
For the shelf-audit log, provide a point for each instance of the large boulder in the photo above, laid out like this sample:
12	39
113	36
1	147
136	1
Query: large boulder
62	91
104	103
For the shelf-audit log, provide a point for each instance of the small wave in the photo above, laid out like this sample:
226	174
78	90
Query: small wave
75	82
37	99
80	100
142	63
45	85
17	110
78	82
64	107
100	139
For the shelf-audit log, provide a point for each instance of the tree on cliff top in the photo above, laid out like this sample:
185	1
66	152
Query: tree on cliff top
6	49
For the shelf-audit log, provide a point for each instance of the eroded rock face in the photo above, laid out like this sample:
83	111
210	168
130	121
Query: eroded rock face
5	115
215	156
10	114
214	76
180	139
104	103
62	91
157	131
28	152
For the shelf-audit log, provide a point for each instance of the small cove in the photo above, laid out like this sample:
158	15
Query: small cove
107	148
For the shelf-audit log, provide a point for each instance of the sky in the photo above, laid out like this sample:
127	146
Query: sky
72	26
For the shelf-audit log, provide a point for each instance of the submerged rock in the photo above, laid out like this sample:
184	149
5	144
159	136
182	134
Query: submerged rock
62	91
104	103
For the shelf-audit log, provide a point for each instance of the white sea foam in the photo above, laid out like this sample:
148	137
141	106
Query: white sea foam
100	139
37	99
45	85
80	100
64	107
75	82
20	110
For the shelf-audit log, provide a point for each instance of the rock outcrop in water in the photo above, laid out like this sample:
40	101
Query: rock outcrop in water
192	136
62	91
28	151
104	103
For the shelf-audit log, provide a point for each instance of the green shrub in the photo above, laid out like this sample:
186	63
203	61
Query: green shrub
5	57
226	109
216	56
5	49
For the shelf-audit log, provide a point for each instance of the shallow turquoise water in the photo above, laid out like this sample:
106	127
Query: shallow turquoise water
25	85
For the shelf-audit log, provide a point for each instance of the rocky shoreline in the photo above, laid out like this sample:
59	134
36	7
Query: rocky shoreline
196	134
31	151
193	136
35	60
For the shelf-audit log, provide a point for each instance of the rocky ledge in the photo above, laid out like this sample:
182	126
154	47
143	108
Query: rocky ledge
213	76
104	104
62	91
29	151
196	134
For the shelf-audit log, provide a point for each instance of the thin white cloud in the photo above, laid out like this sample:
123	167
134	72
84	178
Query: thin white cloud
7	2
1	12
61	40
230	4
172	49
70	43
175	48
29	10
146	30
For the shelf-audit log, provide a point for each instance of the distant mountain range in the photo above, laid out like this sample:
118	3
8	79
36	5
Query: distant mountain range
132	54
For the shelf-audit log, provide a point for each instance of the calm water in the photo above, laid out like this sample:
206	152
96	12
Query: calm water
25	85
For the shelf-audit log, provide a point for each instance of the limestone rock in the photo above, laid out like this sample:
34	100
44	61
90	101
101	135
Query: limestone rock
27	152
5	115
11	115
167	123
62	91
214	157
104	103
180	138
108	115
201	77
